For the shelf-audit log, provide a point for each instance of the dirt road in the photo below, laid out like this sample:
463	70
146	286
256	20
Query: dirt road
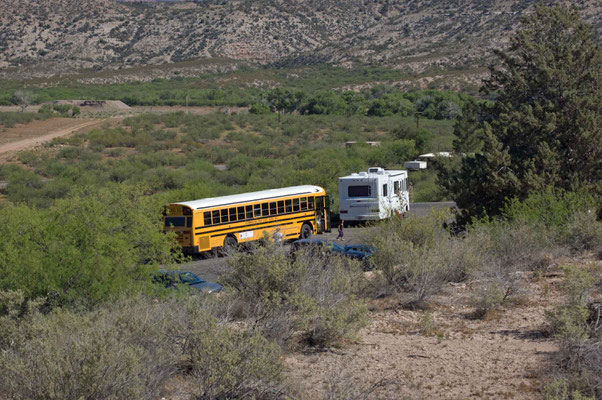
30	135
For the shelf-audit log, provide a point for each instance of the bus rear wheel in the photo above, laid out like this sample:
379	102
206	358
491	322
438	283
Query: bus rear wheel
230	245
306	231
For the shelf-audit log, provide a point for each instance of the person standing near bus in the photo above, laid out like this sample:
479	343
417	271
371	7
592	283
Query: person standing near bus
340	230
278	236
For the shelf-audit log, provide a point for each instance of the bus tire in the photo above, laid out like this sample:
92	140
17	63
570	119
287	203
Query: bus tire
230	244
306	231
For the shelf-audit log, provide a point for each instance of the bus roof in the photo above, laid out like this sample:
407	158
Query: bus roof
252	196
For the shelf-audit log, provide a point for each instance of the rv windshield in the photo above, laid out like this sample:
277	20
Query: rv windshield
359	191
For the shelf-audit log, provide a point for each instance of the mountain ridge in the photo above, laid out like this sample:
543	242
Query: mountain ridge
60	37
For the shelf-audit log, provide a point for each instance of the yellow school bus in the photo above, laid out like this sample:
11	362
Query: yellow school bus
227	221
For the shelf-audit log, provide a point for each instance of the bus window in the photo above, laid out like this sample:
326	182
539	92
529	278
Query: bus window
303	203
257	208
216	217
289	206
264	209
188	222
207	218
249	210
233	214
224	215
295	204
175	221
310	203
241	213
273	208
281	207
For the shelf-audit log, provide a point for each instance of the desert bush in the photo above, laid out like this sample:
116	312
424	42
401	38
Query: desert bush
584	231
579	359
508	251
10	119
228	363
418	255
113	353
569	321
128	349
310	299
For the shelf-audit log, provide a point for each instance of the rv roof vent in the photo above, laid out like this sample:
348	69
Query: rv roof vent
354	174
376	170
363	173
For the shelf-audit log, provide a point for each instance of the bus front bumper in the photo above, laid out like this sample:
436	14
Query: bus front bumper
190	249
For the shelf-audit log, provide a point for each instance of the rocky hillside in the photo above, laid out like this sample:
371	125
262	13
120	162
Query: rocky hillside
60	36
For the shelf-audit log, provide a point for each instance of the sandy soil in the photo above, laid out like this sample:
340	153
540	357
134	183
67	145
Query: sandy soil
450	357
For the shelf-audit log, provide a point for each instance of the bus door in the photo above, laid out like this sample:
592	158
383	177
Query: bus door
323	214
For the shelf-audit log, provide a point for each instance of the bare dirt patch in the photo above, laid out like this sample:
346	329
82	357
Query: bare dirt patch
439	354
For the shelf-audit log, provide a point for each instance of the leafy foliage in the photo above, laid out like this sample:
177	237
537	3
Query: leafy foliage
90	247
543	127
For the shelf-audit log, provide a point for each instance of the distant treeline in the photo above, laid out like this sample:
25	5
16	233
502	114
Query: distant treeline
381	100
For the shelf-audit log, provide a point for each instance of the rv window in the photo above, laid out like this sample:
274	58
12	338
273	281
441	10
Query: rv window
207	218
359	191
385	191
396	187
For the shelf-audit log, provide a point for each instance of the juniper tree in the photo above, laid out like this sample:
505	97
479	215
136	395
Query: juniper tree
544	125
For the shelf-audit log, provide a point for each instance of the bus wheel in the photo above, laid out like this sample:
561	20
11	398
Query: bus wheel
305	231
230	244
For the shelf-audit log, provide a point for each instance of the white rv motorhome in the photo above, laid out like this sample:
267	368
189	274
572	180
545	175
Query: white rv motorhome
374	195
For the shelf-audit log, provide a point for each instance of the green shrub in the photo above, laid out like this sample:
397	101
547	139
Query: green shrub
569	321
90	247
